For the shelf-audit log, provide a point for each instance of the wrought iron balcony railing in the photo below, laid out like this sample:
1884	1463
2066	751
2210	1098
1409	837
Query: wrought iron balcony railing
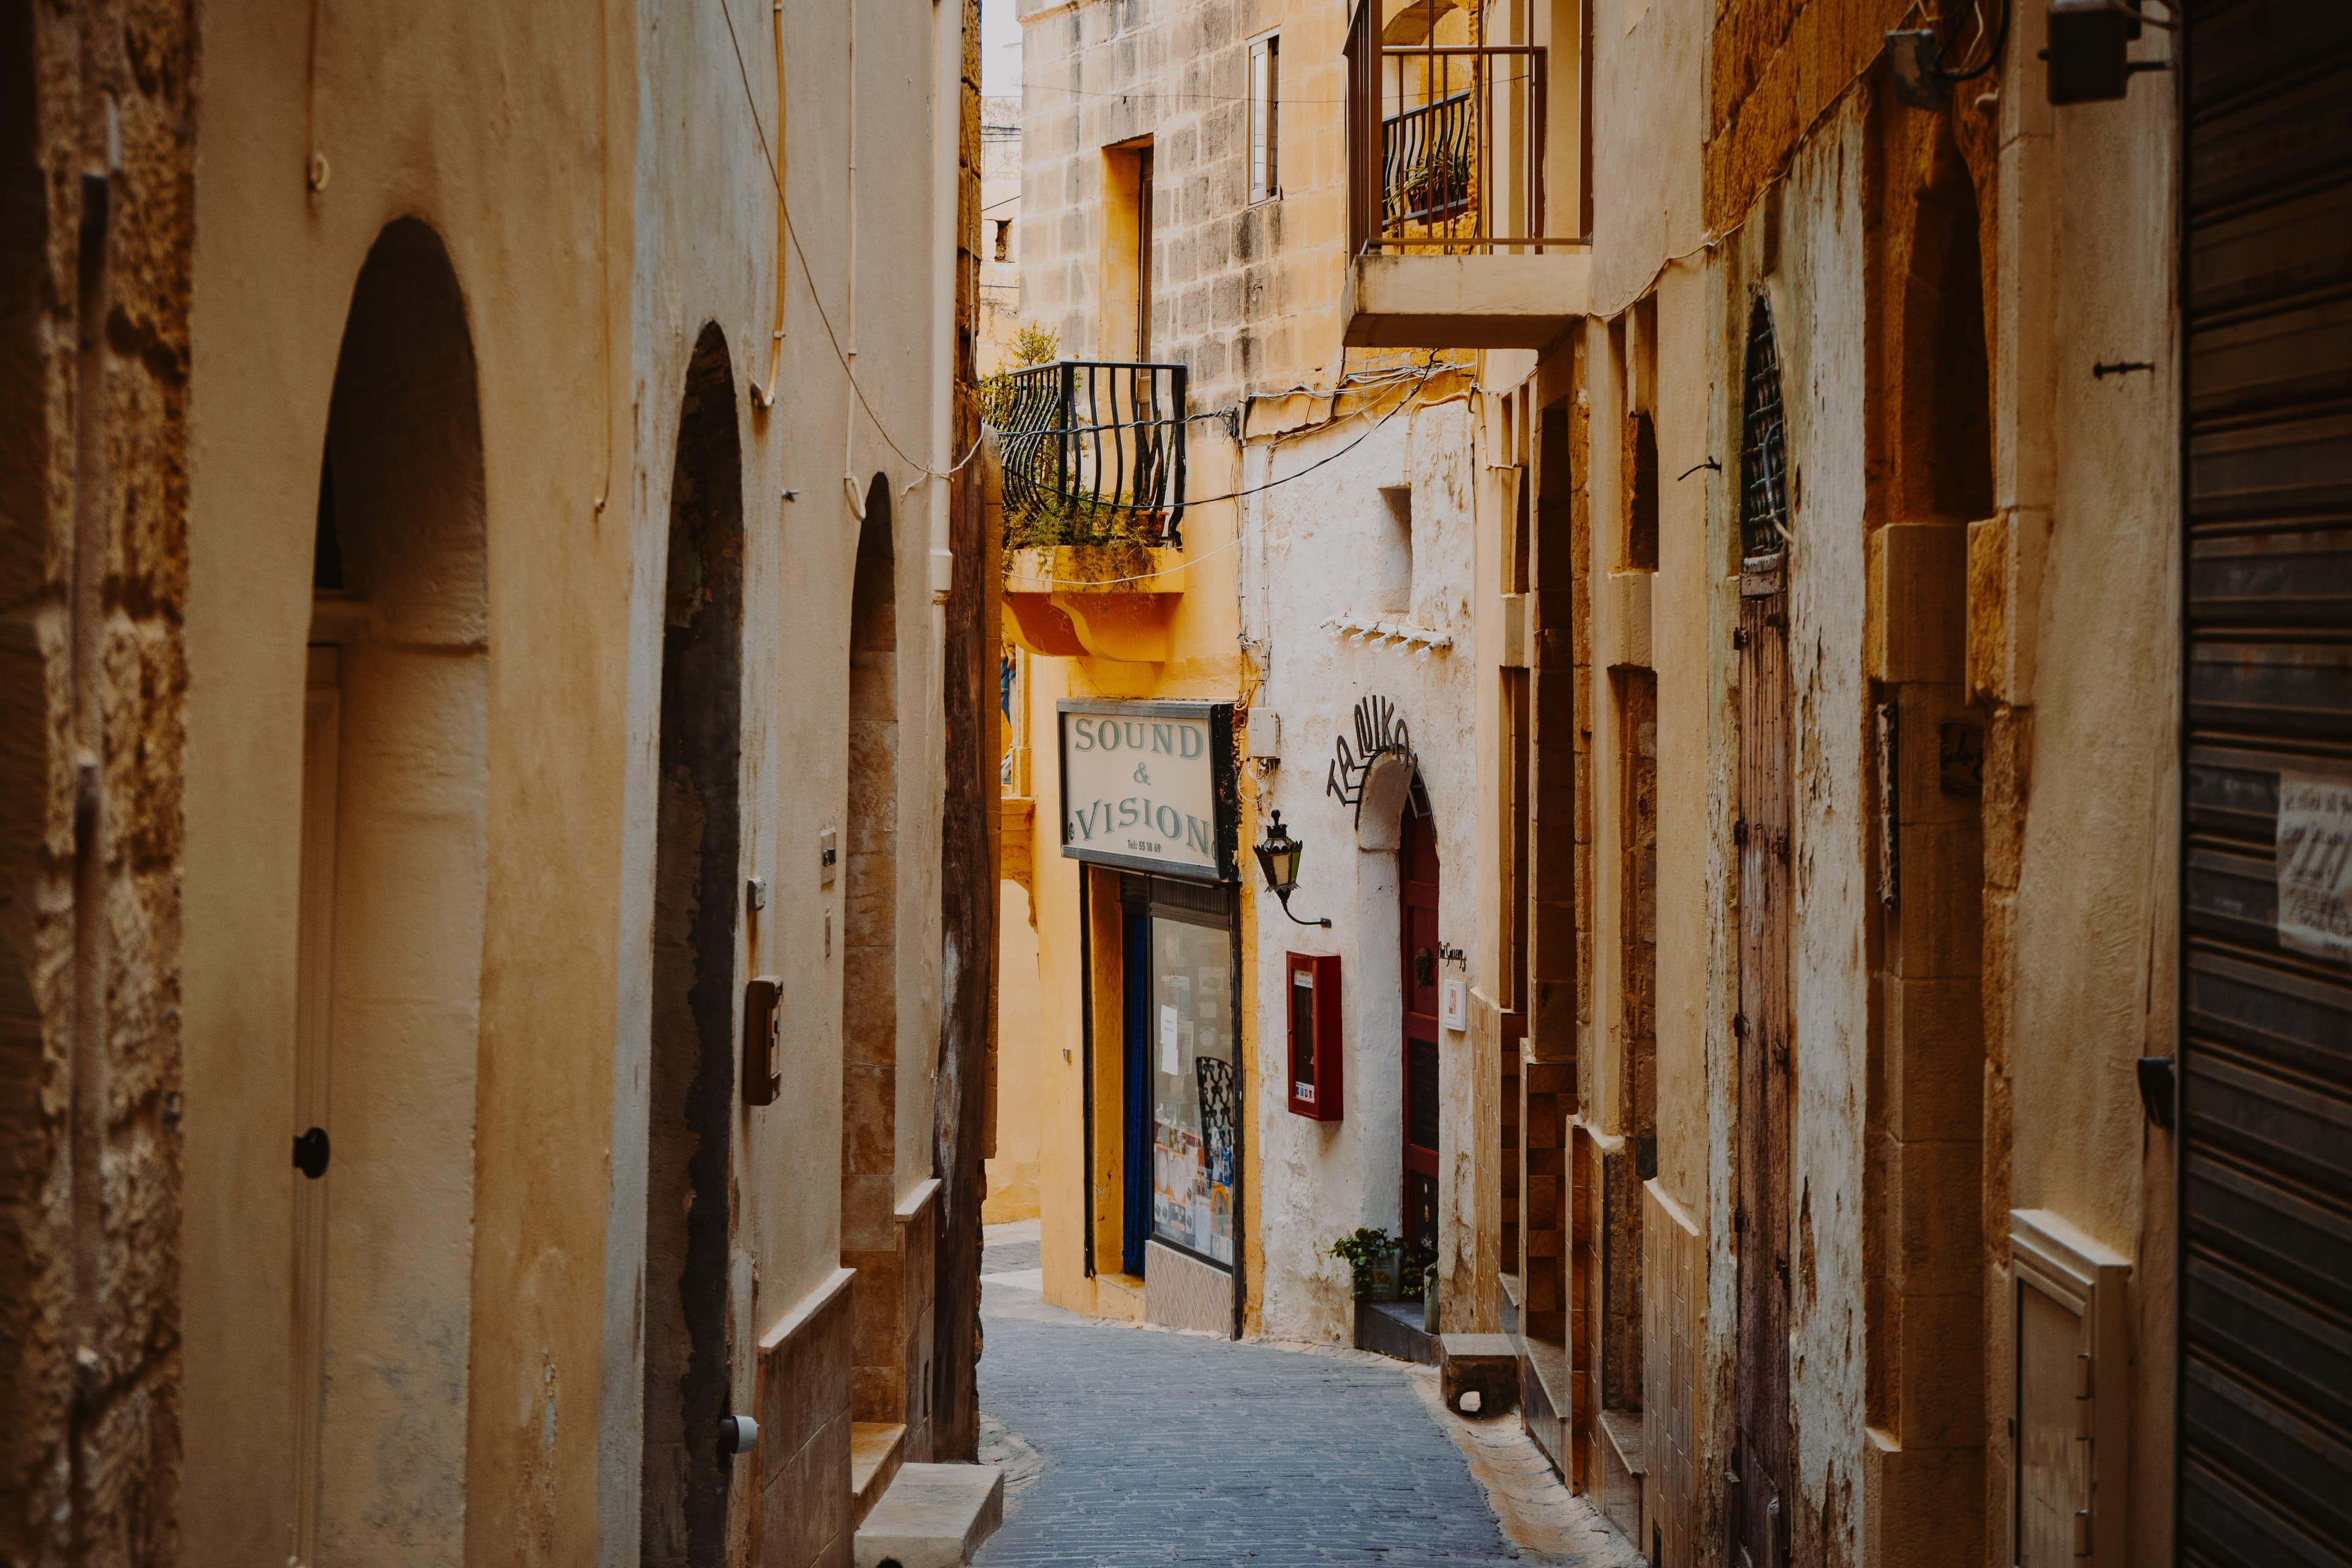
1445	145
1093	452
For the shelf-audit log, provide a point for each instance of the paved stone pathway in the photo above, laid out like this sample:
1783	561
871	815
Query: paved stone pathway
1128	1446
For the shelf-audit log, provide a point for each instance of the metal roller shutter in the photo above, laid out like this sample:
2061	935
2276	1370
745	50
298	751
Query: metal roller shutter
2265	1473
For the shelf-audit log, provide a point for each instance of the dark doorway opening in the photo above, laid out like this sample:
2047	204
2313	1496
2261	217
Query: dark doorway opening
1417	887
689	1356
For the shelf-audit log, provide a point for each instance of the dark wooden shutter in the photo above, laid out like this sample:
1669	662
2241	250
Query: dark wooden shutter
1418	875
1760	1497
2266	1435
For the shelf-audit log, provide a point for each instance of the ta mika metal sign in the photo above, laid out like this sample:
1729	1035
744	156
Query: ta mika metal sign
1149	787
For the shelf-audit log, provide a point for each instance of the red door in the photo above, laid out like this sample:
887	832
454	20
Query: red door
1417	898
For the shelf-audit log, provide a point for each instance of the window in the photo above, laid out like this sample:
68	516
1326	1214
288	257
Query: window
1391	555
1125	319
1763	455
1265	90
1004	239
1193	1088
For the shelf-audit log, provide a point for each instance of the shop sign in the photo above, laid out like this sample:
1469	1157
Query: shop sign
1149	787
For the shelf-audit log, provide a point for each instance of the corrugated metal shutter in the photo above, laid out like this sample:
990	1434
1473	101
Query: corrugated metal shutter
2266	1275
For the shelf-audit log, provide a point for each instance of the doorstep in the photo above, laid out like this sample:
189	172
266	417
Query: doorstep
1484	1364
1621	1470
874	1449
933	1516
1544	1399
1393	1329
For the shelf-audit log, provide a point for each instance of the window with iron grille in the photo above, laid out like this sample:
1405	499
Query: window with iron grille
1763	448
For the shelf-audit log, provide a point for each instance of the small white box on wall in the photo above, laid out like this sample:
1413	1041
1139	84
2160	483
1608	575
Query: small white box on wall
1457	1013
1265	735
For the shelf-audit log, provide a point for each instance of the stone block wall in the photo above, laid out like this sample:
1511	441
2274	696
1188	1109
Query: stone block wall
1244	294
803	1521
94	197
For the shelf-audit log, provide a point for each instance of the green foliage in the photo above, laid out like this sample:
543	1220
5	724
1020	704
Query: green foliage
1036	515
1050	520
1440	181
1033	344
1364	1249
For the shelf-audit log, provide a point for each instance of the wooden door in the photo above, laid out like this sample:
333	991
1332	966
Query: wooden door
1417	888
2266	1152
1760	1497
1762	1030
314	1022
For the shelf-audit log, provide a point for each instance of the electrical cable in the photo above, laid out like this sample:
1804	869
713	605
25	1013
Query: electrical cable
783	203
1992	55
1434	364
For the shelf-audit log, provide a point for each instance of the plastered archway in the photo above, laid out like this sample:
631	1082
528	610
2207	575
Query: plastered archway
689	1223
393	893
869	996
1376	1075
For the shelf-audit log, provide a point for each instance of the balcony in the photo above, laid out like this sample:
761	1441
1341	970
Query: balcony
1092	456
1447	219
1093	453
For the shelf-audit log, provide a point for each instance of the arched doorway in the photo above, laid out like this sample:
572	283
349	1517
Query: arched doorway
1417	898
869	990
394	888
689	1356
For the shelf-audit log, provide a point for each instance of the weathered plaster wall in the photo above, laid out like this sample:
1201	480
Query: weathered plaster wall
1022	1052
591	249
2082	777
1314	551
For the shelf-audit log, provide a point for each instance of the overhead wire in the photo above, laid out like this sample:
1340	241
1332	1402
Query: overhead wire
792	232
1434	366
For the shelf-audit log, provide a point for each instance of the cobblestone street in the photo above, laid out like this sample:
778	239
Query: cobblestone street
1127	1446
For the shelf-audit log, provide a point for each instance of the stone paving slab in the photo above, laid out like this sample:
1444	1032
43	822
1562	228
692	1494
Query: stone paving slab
1144	1448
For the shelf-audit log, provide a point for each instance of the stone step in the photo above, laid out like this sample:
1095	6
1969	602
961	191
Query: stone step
874	1449
933	1516
1484	1364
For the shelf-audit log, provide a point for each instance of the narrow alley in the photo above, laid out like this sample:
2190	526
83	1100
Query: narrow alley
1125	1444
1090	784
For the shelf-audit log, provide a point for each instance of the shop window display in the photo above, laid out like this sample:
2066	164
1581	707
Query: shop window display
1194	1088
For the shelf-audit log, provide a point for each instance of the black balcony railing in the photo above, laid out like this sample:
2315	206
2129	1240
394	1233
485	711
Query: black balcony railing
1093	453
1445	145
1427	154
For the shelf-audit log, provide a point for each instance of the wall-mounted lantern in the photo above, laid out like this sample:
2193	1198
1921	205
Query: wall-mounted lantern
1278	858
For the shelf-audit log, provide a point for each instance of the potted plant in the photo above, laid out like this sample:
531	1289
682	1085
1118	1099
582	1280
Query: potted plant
1372	1254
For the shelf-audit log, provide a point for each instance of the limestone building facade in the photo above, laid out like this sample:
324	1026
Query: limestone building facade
1182	206
491	707
1904	803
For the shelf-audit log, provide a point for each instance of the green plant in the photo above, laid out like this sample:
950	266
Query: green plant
1362	1252
1441	180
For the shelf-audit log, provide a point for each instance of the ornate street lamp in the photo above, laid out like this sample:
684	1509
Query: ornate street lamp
1278	858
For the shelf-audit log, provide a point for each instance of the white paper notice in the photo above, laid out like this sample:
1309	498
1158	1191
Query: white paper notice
1168	1030
2315	865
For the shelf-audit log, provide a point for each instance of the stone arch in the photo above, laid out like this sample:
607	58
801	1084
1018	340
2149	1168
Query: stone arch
395	830
1375	1071
1944	444
688	1355
1923	1112
870	993
1422	21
